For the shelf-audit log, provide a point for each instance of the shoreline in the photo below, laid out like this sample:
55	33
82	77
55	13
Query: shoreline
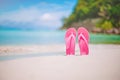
55	48
30	49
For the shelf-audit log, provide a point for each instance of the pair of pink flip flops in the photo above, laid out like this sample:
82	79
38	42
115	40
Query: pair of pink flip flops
83	39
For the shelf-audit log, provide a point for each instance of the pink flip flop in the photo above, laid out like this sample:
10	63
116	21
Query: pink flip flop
83	40
70	39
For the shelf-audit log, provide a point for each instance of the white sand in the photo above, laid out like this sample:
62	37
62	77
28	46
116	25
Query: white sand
103	63
28	49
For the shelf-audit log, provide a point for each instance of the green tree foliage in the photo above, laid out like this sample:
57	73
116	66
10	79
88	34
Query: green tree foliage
107	10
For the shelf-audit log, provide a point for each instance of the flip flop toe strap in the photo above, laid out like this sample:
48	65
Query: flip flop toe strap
68	40
83	37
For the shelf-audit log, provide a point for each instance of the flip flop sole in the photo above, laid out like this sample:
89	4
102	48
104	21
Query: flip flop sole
70	38
83	40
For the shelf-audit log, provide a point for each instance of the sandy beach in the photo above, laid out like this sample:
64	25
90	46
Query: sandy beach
55	49
103	63
31	49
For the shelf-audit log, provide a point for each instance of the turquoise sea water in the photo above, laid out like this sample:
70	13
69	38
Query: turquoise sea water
46	37
28	37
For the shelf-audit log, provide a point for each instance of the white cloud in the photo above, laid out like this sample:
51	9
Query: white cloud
46	17
40	15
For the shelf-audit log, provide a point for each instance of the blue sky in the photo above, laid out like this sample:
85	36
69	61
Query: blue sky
37	14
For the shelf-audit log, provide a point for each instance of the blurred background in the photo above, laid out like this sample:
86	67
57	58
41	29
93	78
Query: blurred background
35	28
24	22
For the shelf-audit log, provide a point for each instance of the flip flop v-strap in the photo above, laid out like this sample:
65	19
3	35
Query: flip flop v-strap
81	36
69	43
